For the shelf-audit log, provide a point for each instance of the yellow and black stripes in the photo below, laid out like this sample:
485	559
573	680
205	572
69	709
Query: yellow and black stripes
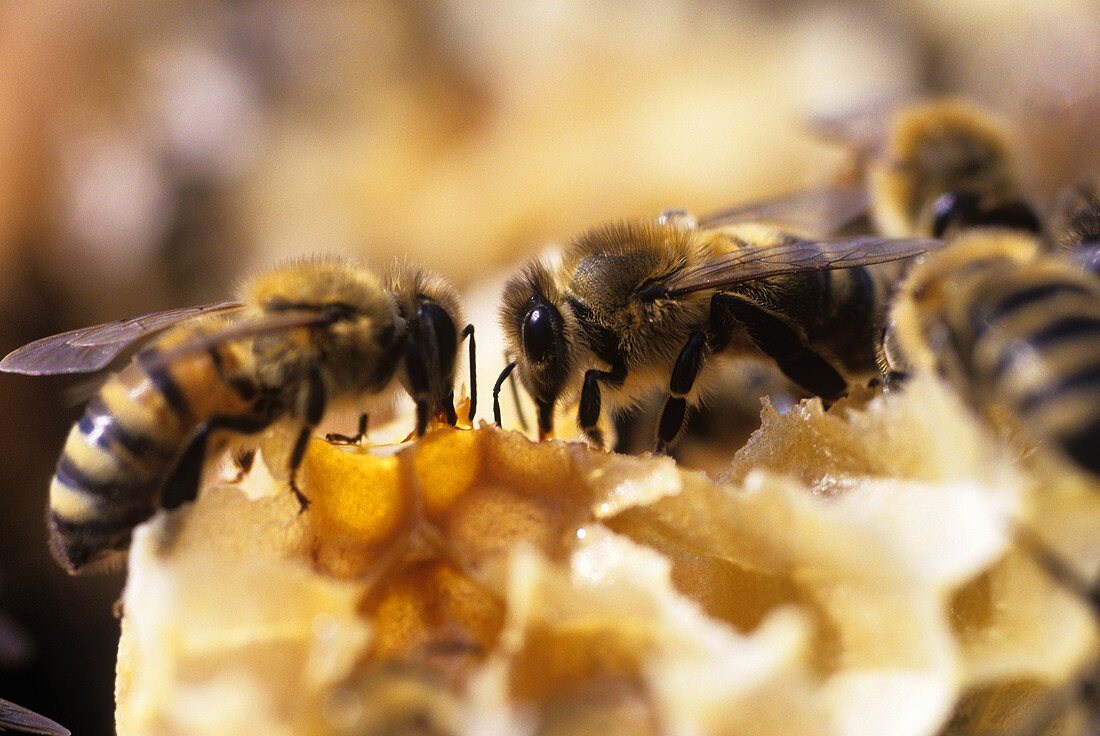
844	325
119	455
820	327
300	335
1025	337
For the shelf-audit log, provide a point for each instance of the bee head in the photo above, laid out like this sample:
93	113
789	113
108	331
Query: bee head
936	147
956	145
430	307
541	335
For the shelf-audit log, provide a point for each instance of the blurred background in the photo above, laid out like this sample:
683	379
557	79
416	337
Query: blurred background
153	153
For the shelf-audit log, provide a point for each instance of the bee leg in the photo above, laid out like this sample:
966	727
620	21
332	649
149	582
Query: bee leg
355	439
469	332
419	386
674	414
546	419
296	457
588	414
310	407
519	408
182	485
449	413
781	343
511	366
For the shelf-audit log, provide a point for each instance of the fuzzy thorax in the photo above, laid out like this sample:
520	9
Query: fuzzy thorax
352	355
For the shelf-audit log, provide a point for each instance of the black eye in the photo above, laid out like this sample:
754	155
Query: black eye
541	327
438	335
1016	215
953	208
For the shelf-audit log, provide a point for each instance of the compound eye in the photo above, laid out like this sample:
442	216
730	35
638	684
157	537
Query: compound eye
953	208
541	327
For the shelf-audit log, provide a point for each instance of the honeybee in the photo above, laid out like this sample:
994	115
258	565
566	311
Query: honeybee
1015	332
932	168
301	337
632	306
1075	225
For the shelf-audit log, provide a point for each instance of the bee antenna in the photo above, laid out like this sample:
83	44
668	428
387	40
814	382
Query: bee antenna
496	388
469	332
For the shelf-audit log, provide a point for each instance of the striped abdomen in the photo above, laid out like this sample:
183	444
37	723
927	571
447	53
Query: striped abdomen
1027	338
125	446
852	313
836	314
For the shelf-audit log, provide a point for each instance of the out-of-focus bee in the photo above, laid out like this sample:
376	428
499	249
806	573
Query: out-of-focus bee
302	336
1075	225
935	167
1015	332
633	306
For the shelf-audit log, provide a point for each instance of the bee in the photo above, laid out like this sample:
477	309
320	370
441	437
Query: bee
632	306
936	167
1015	332
301	337
1075	225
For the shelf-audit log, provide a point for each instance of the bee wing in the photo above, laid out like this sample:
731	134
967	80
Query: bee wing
864	129
17	718
89	349
795	256
821	210
265	325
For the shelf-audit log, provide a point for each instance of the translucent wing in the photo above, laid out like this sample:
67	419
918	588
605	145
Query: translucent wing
17	718
794	256
863	129
821	211
89	349
266	325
